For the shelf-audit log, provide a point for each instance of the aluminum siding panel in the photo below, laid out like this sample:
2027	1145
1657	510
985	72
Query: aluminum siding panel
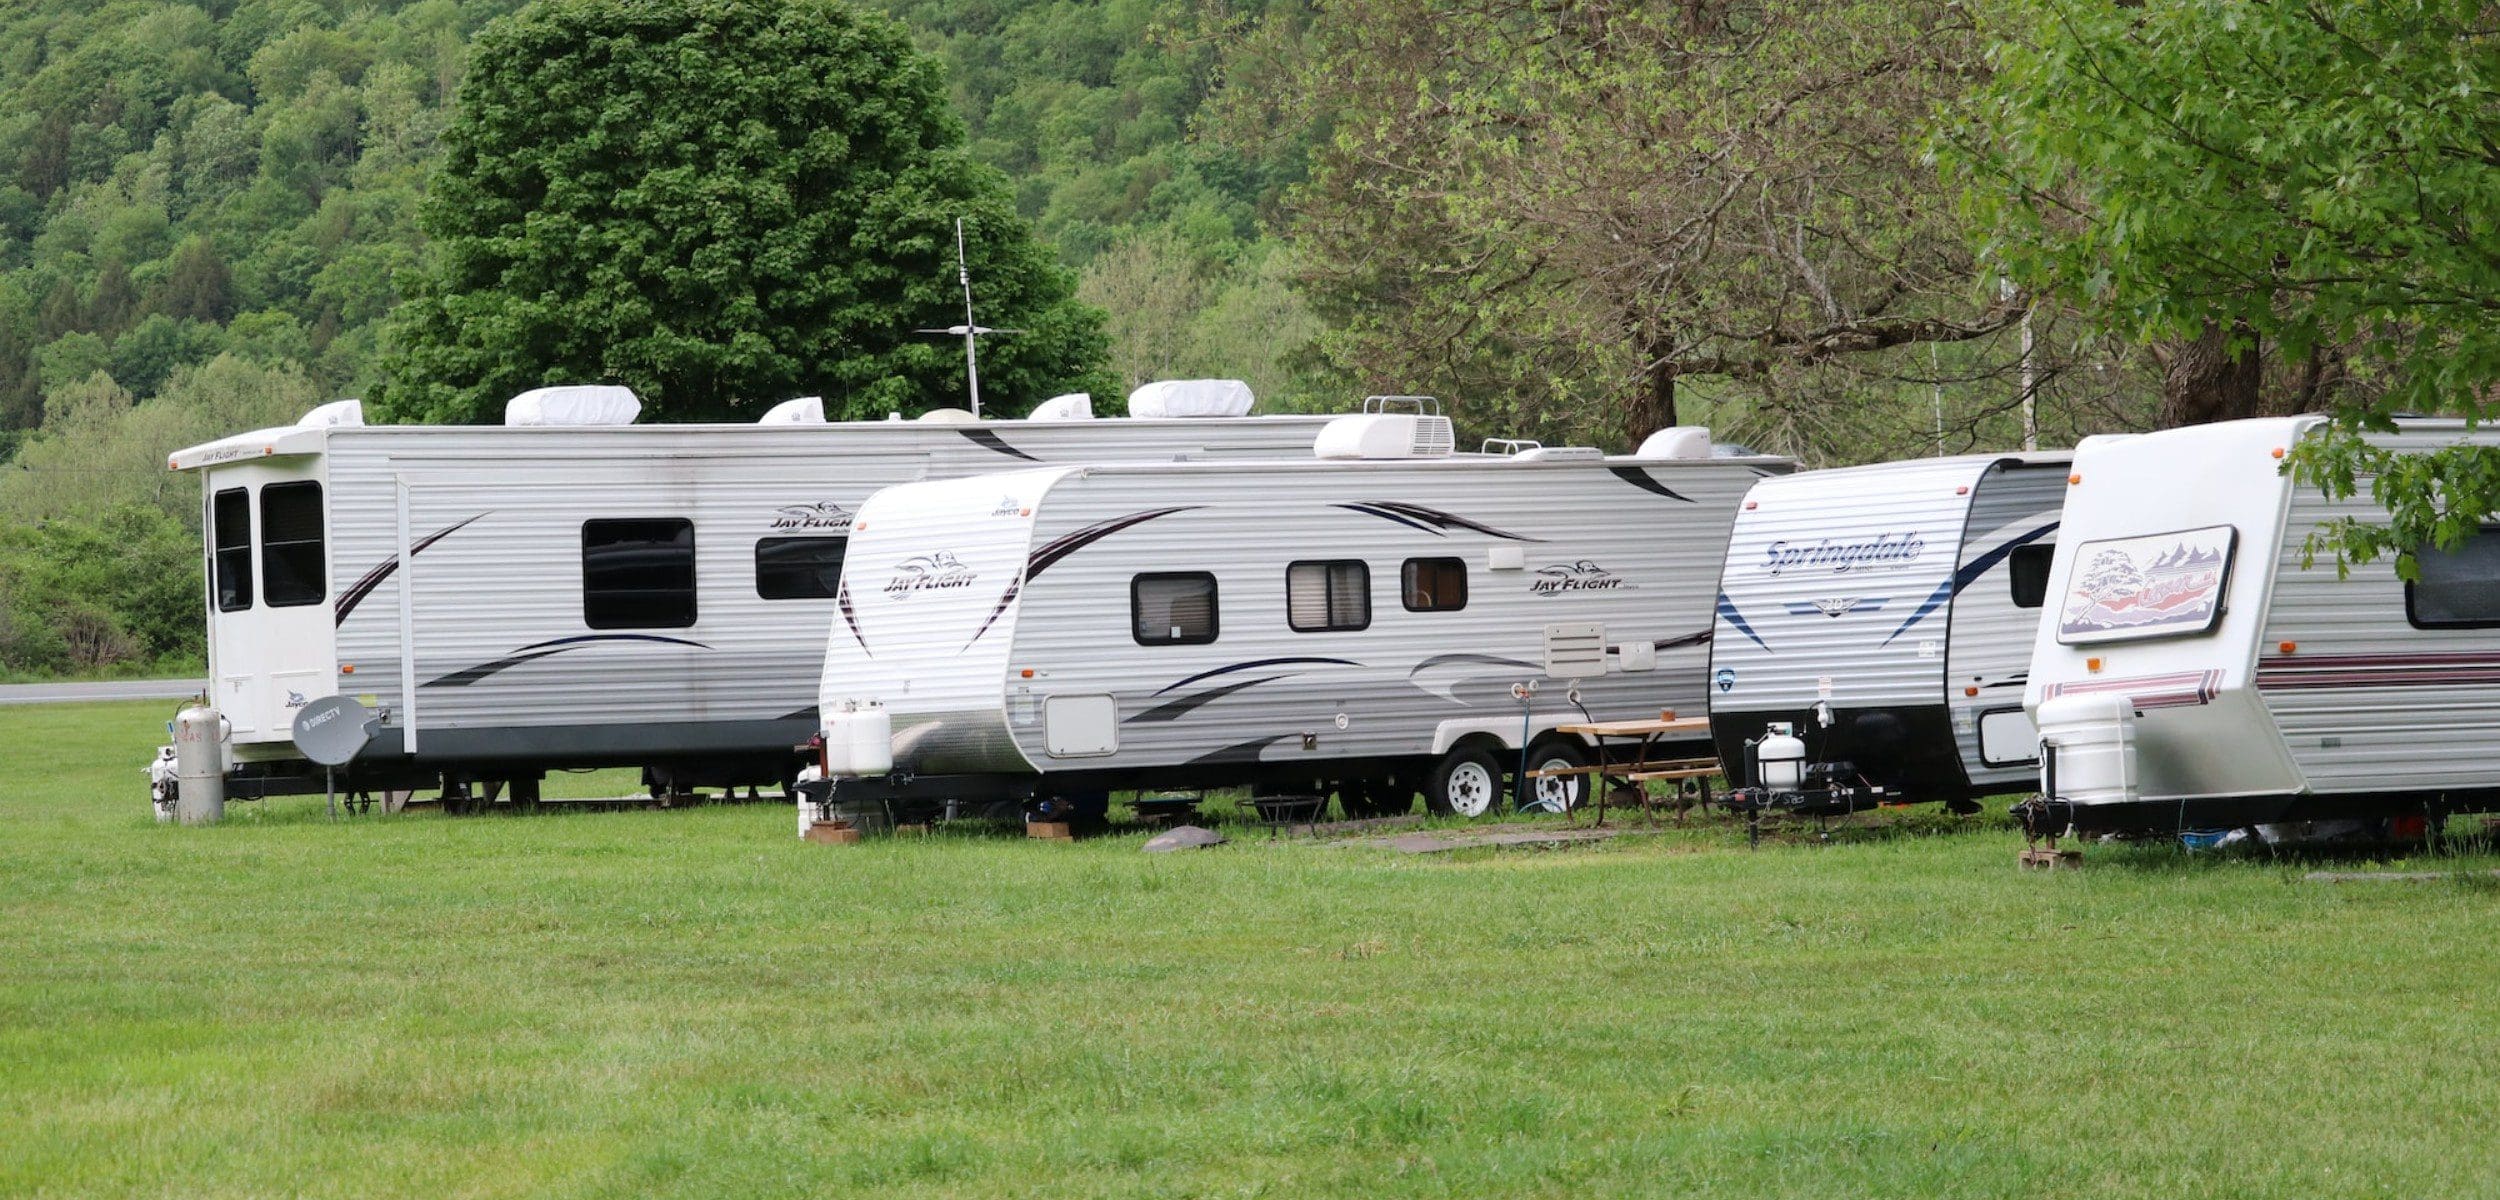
1989	647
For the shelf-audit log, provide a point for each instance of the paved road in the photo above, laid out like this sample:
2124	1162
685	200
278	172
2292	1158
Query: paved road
119	689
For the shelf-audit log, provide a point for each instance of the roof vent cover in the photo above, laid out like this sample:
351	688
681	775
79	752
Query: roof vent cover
574	404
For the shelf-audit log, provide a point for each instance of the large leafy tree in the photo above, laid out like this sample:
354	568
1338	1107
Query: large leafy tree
2299	196
720	203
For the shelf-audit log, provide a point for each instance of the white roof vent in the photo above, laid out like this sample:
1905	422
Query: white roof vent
1676	441
806	410
947	416
1559	454
1386	435
574	404
333	415
1075	406
1191	398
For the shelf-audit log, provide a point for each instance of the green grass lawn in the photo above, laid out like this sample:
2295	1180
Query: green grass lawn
693	1003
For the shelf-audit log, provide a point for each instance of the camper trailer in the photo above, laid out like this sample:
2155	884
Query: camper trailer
570	589
2194	670
1874	628
1381	617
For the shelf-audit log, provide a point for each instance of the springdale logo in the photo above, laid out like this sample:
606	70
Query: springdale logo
820	515
1582	576
929	572
1882	550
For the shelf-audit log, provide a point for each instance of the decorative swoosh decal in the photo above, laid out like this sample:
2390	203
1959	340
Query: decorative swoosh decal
1238	752
1646	482
1069	543
357	591
1728	613
989	440
1690	639
1442	673
1969	574
539	650
1430	520
1253	665
850	617
1176	709
1013	586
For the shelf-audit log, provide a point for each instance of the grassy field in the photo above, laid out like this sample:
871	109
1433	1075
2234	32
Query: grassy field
692	1003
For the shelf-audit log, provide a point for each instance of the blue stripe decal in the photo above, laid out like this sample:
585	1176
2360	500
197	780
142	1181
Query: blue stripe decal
1969	574
1728	613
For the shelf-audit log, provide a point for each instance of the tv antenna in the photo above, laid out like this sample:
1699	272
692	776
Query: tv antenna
969	331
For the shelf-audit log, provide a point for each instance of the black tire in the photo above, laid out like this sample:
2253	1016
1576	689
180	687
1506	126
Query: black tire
1467	782
1563	793
1393	796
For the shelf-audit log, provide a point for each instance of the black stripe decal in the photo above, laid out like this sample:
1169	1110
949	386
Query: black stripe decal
988	440
1238	752
1642	479
1404	513
1690	639
1253	665
1067	544
539	650
842	600
357	591
1182	707
1369	511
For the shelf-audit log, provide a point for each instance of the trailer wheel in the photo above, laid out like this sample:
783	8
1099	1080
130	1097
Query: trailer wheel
1467	782
1559	793
1383	797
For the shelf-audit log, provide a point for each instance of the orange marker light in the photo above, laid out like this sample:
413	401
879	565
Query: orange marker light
1963	490
2287	647
2278	452
1967	690
347	668
2073	479
1027	672
2092	664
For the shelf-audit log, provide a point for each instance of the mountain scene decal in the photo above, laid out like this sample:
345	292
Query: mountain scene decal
2163	583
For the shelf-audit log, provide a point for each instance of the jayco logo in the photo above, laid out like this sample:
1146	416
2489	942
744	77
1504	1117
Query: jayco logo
1581	576
820	515
1882	550
1007	507
295	699
928	572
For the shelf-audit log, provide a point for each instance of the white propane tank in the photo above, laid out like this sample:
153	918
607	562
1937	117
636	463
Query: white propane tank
836	731
1781	755
809	810
872	740
200	765
2087	749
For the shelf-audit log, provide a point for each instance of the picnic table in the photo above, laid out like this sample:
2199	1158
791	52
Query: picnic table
1624	751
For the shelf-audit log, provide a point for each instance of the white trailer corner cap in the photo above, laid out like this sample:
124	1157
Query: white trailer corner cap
1191	398
574	404
259	443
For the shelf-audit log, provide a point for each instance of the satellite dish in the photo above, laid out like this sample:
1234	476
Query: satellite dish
333	730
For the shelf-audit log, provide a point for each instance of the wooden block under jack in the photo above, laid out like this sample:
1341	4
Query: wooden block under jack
2050	860
1049	831
833	833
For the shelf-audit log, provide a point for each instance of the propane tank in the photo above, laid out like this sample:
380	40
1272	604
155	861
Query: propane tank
1781	755
200	765
872	740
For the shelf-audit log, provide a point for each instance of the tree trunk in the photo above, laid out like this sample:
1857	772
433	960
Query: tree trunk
1653	404
2204	380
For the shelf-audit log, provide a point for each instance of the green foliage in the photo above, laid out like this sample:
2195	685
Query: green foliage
721	203
2315	177
84	594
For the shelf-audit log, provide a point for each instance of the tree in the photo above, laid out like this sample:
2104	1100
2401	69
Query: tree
1567	211
2307	186
720	203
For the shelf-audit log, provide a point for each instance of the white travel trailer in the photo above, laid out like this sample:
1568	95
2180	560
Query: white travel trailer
1883	616
572	590
1355	624
2192	672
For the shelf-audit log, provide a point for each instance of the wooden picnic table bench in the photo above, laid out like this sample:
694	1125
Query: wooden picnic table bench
1639	767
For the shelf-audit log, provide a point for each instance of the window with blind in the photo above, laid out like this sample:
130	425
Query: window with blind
1172	608
1328	597
798	568
230	521
292	566
1433	584
638	573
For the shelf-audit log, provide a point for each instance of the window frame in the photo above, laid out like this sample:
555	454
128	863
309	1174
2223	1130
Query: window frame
1406	583
2045	554
2412	613
694	580
1215	608
319	542
218	576
1324	563
842	551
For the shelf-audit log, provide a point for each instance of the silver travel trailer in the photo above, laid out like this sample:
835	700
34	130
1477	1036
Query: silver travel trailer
2193	672
572	590
1877	622
1356	622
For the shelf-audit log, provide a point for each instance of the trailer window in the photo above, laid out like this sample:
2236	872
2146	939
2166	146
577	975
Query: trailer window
1175	608
798	568
1323	597
291	561
638	573
230	524
2028	568
1433	584
2457	589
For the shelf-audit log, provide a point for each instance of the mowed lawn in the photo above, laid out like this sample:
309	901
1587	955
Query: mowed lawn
692	1003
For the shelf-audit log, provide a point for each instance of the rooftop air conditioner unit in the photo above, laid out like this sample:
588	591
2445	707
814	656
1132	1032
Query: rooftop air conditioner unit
1385	435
